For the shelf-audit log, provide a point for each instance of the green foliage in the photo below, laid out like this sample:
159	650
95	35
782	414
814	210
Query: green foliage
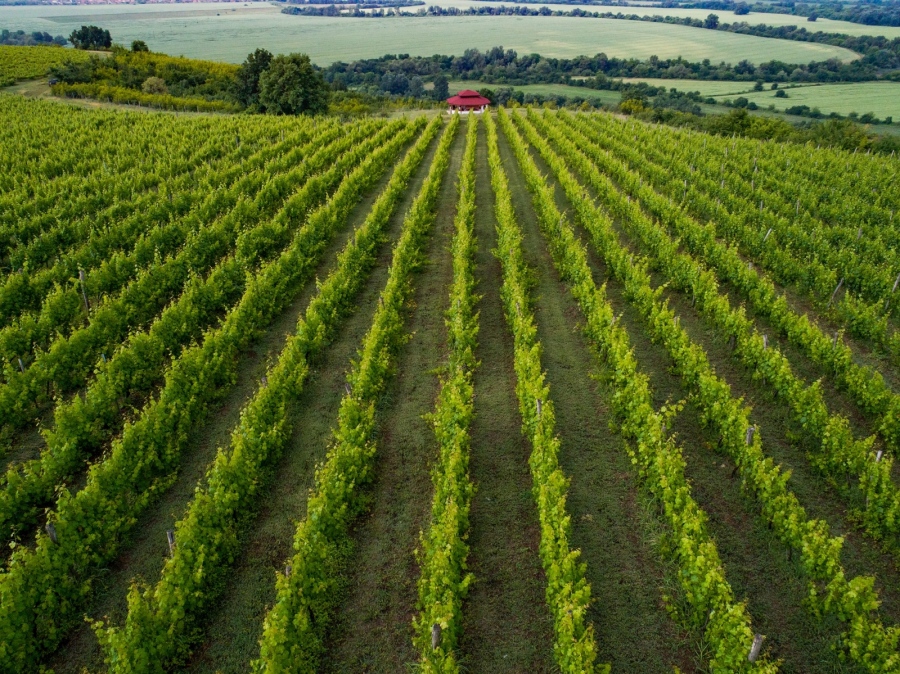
292	86
189	84
444	580
91	37
724	623
568	592
247	87
866	640
139	45
294	629
38	601
158	626
840	456
23	63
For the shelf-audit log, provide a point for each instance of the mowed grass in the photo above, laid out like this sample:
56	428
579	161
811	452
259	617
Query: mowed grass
227	32
881	98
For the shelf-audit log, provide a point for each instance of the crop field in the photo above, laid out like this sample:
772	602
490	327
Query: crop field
532	391
22	64
881	98
227	32
607	97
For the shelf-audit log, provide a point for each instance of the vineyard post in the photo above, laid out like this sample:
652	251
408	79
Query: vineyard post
170	538
51	531
840	283
87	305
756	647
435	636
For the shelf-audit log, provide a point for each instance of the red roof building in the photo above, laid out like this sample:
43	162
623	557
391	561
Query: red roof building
468	101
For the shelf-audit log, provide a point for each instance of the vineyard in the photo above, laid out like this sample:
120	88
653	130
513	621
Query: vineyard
533	391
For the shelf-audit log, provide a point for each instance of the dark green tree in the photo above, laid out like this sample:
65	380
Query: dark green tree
139	45
247	88
441	89
291	85
91	37
712	22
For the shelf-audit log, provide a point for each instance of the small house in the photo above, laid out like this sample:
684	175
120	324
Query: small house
467	101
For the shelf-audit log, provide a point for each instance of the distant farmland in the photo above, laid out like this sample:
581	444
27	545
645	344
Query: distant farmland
228	32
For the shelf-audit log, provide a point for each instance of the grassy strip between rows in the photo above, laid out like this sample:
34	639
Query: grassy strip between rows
882	514
443	582
839	454
84	424
713	611
41	303
294	628
855	602
568	591
69	360
865	385
43	589
158	630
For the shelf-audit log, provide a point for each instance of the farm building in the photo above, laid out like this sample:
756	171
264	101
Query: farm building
468	101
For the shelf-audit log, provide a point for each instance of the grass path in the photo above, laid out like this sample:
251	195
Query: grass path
234	630
144	555
756	563
609	521
373	627
506	626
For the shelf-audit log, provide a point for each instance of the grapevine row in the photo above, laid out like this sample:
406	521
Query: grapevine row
443	582
160	621
863	319
68	360
568	592
119	227
866	640
62	307
294	628
865	385
43	589
725	623
839	454
84	425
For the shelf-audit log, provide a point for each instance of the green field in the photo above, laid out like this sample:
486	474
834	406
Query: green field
228	32
823	25
880	98
705	87
607	97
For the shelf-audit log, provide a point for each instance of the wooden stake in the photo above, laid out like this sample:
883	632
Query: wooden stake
749	437
538	407
21	366
840	283
51	531
170	538
87	305
435	636
767	235
287	571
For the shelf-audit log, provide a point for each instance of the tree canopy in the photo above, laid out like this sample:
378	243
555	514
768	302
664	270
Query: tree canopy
292	86
91	37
